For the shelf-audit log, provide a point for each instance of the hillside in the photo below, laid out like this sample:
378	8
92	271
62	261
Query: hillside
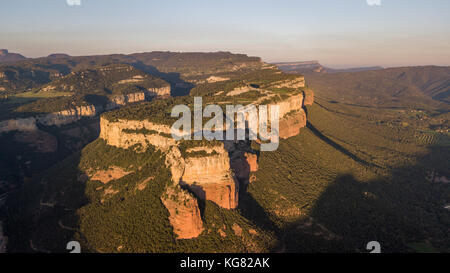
7	57
177	68
425	88
312	67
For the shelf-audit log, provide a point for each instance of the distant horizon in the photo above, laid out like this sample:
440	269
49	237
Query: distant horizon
342	66
351	33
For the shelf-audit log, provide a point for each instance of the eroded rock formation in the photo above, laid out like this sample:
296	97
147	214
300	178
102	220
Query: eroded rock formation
211	172
210	177
298	82
127	133
309	97
68	116
291	124
184	213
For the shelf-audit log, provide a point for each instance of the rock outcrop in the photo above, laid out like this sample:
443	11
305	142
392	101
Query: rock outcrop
162	92
184	213
127	133
210	177
309	96
121	100
67	116
291	124
298	82
252	161
292	116
76	113
243	160
210	171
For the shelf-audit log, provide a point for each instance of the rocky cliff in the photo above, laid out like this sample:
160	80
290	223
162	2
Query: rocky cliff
298	82
292	116
210	177
207	171
127	133
211	171
309	96
184	213
74	114
291	123
68	116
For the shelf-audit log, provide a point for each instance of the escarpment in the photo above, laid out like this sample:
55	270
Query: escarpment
292	116
298	82
76	113
209	176
309	96
67	116
209	170
128	133
291	123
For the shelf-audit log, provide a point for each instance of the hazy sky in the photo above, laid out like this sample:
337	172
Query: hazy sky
338	33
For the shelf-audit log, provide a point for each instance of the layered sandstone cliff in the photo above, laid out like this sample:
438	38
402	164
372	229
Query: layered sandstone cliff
161	92
76	113
127	133
211	172
67	116
291	124
292	116
309	96
184	213
298	82
210	176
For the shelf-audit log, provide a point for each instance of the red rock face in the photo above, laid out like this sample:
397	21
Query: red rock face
241	168
210	177
184	213
224	193
252	161
243	164
290	126
309	97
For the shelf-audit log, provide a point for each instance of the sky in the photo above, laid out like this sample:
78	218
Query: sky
338	33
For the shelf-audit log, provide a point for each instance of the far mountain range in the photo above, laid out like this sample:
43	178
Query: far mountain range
307	67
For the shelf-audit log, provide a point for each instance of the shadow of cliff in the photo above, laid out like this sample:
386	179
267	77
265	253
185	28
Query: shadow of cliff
42	217
253	211
24	154
199	193
339	147
399	211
